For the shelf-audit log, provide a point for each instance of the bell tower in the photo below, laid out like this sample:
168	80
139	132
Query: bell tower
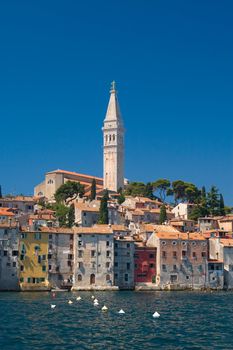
113	144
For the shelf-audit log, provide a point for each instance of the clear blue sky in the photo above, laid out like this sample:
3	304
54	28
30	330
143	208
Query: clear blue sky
173	64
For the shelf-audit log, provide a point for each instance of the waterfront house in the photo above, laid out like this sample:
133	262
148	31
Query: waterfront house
181	260
124	262
9	241
33	260
93	257
144	265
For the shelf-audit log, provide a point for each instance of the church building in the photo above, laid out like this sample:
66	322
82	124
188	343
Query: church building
113	158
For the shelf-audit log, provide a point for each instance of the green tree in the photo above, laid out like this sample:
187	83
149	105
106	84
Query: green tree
192	193
93	190
121	197
163	214
71	216
61	214
69	191
162	186
178	188
103	218
149	191
213	201
221	205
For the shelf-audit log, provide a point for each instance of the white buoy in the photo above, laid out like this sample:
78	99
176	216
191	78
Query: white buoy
92	297
53	306
96	304
96	300
121	311
104	308
78	298
70	302
156	314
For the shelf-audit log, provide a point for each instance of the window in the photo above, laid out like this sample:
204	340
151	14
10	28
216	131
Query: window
164	254
50	236
173	278
43	257
116	275
187	277
116	245
107	265
113	137
163	243
23	235
128	266
70	256
50	267
80	265
22	257
116	264
174	267
50	246
49	256
69	263
151	256
44	268
108	278
93	265
80	243
203	254
126	277
37	235
50	182
5	253
135	266
79	278
108	253
29	280
21	279
174	243
152	266
15	252
194	243
80	235
107	244
115	253
164	268
194	255
183	253
84	213
128	245
14	264
174	254
93	252
21	268
80	253
184	243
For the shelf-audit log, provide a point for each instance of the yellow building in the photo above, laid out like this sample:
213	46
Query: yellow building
33	261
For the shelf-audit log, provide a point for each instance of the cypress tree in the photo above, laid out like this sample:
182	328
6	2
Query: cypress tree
221	205
103	219
163	214
71	216
93	190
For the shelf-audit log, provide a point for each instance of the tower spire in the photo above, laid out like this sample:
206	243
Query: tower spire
113	139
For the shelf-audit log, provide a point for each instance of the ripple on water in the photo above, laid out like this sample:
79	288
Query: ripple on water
189	320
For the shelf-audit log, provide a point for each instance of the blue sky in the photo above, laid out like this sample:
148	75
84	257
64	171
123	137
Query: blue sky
172	61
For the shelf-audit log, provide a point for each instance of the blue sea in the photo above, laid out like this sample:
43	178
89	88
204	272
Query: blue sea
188	320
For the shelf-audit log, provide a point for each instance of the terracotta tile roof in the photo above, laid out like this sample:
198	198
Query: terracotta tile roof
182	236
85	207
17	198
59	171
165	228
121	228
97	229
226	242
44	229
6	212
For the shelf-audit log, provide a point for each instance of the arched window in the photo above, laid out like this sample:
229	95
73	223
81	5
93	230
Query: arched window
110	137
50	181
113	137
80	278
92	278
106	138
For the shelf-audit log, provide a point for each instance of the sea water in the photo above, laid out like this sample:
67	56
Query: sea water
188	320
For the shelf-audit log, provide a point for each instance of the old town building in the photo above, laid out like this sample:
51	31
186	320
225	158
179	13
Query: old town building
144	265
124	262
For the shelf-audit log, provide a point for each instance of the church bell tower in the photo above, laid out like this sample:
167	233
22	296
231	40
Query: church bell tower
113	144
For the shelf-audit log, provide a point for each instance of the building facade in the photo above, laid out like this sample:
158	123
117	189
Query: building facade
9	245
93	258
124	262
145	265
